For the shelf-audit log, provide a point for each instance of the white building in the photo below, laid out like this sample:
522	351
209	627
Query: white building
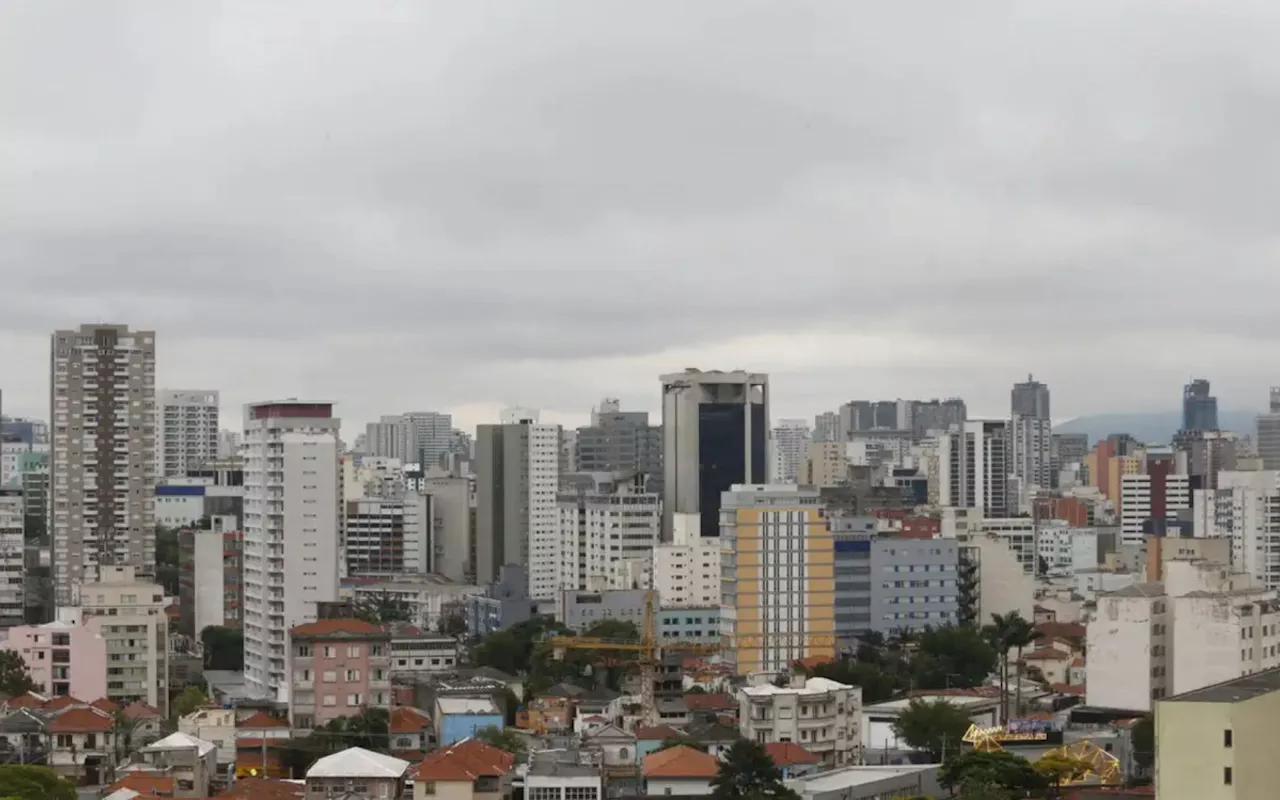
229	444
103	401
1029	438
1245	509
428	598
1065	550
186	430
1137	503
789	447
878	719
129	614
292	546
973	467
1004	584
686	572
388	537
821	715
597	530
216	725
1019	535
12	569
1202	625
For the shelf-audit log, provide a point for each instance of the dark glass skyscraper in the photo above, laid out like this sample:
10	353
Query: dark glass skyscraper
1199	408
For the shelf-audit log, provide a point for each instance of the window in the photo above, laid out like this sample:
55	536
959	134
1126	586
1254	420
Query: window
1226	776
353	699
353	651
330	700
1226	738
328	652
428	787
64	740
353	675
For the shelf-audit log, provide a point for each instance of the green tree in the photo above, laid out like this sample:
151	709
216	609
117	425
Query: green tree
503	739
1059	770
168	556
616	629
369	729
933	726
1142	739
1001	770
189	700
1021	634
997	634
26	782
453	623
681	741
951	656
748	773
14	677
223	648
382	608
123	727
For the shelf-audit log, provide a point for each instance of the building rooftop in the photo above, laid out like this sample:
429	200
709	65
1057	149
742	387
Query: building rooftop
680	762
464	761
181	741
1155	589
849	777
811	686
1233	691
788	754
356	762
339	627
466	705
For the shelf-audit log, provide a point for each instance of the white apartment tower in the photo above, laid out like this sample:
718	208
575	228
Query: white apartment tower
1031	433
789	447
102	458
292	543
1245	508
186	430
517	515
973	467
599	530
686	571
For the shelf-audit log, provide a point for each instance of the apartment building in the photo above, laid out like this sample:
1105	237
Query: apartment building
789	446
1218	742
292	541
820	715
12	556
1064	550
620	442
211	576
103	455
686	572
186	430
129	614
777	578
517	517
337	668
452	513
390	536
429	598
1244	510
1202	625
1151	496
974	468
599	528
64	657
825	464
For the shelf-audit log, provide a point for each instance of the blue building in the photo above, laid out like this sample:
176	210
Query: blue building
459	718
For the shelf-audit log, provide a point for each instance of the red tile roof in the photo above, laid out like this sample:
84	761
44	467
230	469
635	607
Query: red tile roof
64	701
464	761
140	710
657	733
1066	630
1067	688
81	720
680	762
711	702
338	627
1046	654
157	785
786	754
263	789
28	700
408	720
103	704
261	720
813	662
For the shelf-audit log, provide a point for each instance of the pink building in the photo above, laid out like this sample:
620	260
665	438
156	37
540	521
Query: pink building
338	667
65	657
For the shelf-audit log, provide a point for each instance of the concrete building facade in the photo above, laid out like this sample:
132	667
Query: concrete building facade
102	458
788	450
211	576
621	442
822	716
777	578
292	541
65	657
186	430
387	537
12	557
686	571
715	428
974	468
129	614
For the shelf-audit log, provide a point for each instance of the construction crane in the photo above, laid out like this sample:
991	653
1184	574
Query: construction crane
649	652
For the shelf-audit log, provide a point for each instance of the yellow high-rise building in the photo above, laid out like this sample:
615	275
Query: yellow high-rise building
778	577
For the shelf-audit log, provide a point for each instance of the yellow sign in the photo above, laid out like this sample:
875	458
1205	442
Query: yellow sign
998	734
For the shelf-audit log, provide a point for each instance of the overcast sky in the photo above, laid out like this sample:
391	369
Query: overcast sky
466	205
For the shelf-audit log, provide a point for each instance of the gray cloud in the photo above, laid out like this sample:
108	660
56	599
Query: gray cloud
461	205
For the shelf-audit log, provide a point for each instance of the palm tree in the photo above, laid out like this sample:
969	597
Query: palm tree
997	635
124	727
1020	634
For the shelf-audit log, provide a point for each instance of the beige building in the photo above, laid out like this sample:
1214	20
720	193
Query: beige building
102	457
129	615
820	715
1217	743
825	465
777	577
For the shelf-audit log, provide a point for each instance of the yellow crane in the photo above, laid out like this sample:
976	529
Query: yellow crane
649	652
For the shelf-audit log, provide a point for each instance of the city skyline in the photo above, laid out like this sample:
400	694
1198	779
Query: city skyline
543	214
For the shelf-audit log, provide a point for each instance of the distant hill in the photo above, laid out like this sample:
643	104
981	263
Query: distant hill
1152	427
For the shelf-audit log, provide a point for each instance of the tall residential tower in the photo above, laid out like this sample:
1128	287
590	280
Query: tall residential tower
186	430
102	458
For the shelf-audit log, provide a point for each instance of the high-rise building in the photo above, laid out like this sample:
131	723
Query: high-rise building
1245	509
601	527
826	427
292	532
928	416
427	436
211	580
130	616
103	456
778	577
1268	440
686	572
385	438
186	430
1031	432
790	447
1065	449
1199	408
621	442
517	477
390	536
715	432
973	467
1147	499
12	557
451	526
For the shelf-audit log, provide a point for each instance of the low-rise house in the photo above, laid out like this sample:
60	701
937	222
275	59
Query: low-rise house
217	725
650	738
982	706
25	700
358	773
617	749
339	666
412	732
547	715
265	789
1052	663
23	737
192	763
792	760
710	707
468	770
821	715
140	785
714	737
258	739
459	718
144	723
81	744
551	775
679	770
